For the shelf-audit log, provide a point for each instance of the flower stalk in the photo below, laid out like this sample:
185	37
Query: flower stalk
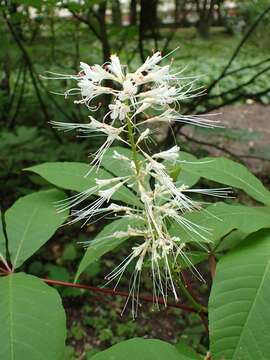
133	145
196	305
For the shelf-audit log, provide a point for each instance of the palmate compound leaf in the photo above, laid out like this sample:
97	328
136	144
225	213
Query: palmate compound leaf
33	322
104	242
239	313
30	222
144	349
220	219
228	172
71	176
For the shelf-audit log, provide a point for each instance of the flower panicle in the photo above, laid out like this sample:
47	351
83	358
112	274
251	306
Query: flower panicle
137	102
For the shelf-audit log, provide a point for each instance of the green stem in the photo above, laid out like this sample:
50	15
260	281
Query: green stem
133	145
191	299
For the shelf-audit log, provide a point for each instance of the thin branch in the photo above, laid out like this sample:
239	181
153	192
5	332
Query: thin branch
4	271
238	157
19	102
32	75
250	81
226	151
113	292
238	48
251	66
17	81
204	322
196	305
86	22
224	72
236	98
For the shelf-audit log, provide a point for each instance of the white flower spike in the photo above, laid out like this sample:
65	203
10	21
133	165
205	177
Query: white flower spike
139	101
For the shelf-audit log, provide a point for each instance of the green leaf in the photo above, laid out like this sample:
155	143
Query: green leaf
30	222
69	253
57	272
219	219
2	238
192	257
103	244
138	348
228	172
189	353
71	176
33	322
118	167
232	240
185	177
239	315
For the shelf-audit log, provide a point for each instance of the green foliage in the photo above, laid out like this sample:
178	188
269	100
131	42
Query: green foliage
30	222
32	319
72	176
142	349
183	176
105	242
249	11
228	172
28	145
114	166
221	219
70	253
187	352
238	312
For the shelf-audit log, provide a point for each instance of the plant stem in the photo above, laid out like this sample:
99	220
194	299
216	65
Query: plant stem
119	293
212	261
200	308
133	145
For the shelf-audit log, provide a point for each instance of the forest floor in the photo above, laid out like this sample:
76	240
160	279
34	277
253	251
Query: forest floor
246	134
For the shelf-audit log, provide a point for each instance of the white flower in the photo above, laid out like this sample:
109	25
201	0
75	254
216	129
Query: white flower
116	68
129	91
171	154
90	210
161	95
94	73
119	110
170	116
106	182
158	75
144	135
150	62
90	91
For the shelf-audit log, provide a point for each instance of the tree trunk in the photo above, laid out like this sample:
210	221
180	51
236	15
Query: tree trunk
205	11
133	12
176	11
116	13
5	87
219	12
106	50
148	18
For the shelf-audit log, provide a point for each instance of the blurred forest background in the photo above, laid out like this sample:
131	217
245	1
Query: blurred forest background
225	43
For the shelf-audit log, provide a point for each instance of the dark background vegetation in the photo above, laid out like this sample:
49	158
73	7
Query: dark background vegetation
225	43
